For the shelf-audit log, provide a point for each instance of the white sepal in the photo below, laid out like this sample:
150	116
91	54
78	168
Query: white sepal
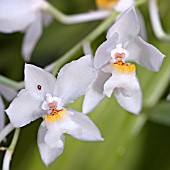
38	80
25	108
127	26
74	79
144	54
103	53
95	94
48	154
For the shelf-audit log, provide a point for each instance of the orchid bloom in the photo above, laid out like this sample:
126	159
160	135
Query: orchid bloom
115	73
118	5
8	93
46	97
23	16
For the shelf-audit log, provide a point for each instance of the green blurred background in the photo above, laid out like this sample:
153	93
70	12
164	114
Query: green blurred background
128	144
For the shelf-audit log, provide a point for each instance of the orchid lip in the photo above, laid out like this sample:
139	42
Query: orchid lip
52	105
119	53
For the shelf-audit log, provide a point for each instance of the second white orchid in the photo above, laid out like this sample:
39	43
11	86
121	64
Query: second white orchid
115	73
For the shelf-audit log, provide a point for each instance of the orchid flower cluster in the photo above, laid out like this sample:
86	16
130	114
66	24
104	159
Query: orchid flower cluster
112	71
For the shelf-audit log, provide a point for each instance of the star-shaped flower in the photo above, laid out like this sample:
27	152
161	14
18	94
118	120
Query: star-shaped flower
23	16
46	97
115	73
118	5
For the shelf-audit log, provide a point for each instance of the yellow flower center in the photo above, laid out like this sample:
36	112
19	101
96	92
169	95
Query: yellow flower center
123	67
106	4
55	114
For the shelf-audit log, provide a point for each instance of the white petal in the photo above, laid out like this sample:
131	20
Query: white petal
103	53
127	91
48	154
53	136
2	116
142	33
7	92
123	5
36	77
25	108
33	33
144	54
74	79
127	26
47	18
16	15
58	127
95	94
89	130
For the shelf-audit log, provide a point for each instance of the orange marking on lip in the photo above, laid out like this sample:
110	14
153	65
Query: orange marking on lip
123	67
55	114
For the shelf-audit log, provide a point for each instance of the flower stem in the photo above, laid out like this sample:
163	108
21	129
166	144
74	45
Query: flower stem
11	83
56	65
8	128
155	21
10	150
91	37
74	19
139	2
87	48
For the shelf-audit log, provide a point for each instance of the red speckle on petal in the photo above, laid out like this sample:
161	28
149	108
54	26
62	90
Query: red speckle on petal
39	87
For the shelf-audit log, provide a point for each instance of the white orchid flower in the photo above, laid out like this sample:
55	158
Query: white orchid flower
23	16
116	74
8	93
118	5
46	97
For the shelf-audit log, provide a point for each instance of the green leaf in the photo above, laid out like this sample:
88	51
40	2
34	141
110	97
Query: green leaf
160	113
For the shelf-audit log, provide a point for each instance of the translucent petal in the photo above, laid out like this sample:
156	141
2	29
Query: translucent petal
89	130
95	94
2	116
74	79
103	53
33	33
16	15
144	54
48	154
25	108
126	89
38	80
7	92
127	26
